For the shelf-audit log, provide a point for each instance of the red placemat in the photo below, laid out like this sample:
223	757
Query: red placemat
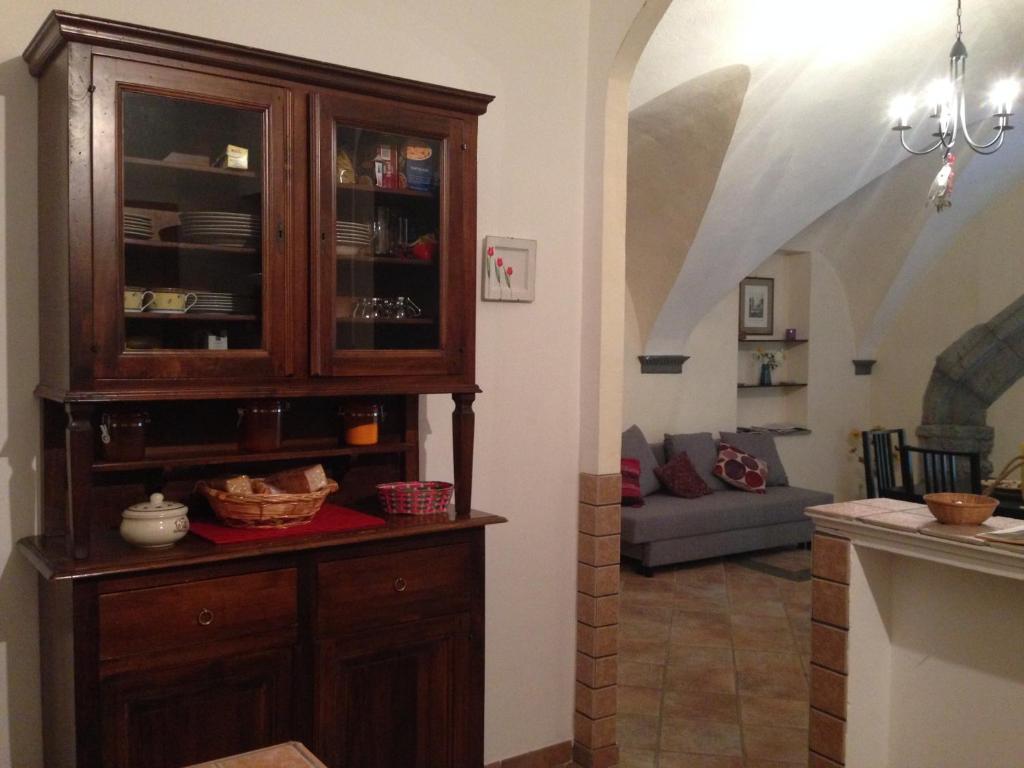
330	519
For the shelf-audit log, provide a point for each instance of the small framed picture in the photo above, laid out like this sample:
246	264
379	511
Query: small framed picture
509	268
757	306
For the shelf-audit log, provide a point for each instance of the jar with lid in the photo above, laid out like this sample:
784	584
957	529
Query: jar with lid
259	425
123	435
361	423
154	524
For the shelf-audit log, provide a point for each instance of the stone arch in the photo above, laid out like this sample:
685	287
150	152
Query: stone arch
971	374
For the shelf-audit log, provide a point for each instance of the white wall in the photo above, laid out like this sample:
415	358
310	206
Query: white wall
532	55
979	275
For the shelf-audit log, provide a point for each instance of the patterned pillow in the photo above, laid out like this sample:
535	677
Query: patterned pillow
681	479
740	469
632	496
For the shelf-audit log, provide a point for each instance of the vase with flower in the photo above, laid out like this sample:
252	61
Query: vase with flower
769	360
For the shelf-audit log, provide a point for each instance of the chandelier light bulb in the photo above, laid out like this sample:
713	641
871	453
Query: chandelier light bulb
900	109
1003	94
939	96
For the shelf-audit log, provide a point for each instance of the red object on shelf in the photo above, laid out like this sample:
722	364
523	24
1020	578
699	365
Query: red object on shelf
330	519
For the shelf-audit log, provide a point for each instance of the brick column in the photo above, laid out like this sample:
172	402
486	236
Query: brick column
830	622
597	620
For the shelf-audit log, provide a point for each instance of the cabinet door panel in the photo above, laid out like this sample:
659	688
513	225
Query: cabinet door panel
190	224
389	279
173	717
395	698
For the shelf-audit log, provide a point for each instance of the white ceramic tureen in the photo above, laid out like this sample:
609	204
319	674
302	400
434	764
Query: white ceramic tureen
154	524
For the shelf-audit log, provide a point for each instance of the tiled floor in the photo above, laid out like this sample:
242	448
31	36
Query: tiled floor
713	665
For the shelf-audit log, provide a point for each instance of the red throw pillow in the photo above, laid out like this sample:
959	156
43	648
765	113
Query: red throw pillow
740	469
632	496
681	479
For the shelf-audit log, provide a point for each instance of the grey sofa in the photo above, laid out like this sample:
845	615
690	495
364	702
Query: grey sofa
669	529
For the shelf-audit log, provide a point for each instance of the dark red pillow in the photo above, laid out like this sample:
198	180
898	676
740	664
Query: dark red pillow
681	479
740	469
632	496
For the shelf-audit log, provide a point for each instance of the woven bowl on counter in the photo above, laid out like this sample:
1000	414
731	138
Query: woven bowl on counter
266	510
960	508
428	497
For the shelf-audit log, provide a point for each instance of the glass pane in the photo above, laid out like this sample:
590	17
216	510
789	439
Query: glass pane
387	234
193	182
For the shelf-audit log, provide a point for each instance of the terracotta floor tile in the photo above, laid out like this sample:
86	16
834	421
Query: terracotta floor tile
637	731
641	584
700	705
701	601
754	606
638	701
795	593
700	573
645	651
645	630
772	764
699	657
713	680
787	713
707	629
677	760
801	634
785	745
700	737
637	758
655	613
641	675
762	633
773	675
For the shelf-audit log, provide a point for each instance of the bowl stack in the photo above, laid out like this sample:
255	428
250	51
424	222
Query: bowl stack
138	226
351	236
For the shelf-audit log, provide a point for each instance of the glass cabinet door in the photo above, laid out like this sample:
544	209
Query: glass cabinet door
195	230
386	241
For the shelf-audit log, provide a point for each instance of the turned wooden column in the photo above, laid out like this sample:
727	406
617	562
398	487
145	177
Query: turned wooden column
462	451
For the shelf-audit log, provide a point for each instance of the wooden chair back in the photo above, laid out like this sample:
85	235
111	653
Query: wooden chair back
941	471
881	461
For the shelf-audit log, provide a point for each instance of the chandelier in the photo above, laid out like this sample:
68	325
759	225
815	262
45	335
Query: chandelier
946	98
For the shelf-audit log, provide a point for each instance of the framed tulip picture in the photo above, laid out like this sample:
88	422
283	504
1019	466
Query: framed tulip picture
757	306
509	268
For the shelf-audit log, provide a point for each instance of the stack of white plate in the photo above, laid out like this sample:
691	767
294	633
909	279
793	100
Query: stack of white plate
220	227
138	225
351	233
230	303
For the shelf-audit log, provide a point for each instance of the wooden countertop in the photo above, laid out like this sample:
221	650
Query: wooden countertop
111	555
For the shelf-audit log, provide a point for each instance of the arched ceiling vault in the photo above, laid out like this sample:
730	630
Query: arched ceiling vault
812	138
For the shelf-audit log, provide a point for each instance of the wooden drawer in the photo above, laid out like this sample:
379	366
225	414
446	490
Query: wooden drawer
395	587
161	618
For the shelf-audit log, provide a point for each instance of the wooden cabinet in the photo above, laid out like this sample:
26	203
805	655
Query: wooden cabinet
220	225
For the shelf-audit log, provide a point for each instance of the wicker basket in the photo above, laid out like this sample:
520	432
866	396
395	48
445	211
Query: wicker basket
416	498
266	510
960	508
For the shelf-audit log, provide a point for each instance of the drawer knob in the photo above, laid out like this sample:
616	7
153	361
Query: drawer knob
400	584
205	617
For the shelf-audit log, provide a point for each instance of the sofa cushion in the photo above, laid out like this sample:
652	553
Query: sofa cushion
669	517
680	478
740	469
762	445
631	495
634	446
703	453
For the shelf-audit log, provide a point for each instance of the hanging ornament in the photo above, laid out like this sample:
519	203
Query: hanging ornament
941	190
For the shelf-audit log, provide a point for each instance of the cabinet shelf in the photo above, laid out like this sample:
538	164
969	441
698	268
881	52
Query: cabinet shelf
783	342
228	453
367	189
145	162
170	245
780	385
389	260
192	317
387	321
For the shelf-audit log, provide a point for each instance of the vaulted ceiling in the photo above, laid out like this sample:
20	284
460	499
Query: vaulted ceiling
770	123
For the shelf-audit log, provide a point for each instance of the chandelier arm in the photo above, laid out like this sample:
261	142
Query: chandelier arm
939	143
997	139
984	150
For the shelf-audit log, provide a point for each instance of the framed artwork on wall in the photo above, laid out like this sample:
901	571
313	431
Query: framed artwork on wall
757	306
510	264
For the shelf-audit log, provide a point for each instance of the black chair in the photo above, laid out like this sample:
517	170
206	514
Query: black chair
881	463
941	471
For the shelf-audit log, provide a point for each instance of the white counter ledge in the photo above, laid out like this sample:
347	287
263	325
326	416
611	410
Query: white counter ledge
917	641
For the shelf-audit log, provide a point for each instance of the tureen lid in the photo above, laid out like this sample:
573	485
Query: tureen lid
157	506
